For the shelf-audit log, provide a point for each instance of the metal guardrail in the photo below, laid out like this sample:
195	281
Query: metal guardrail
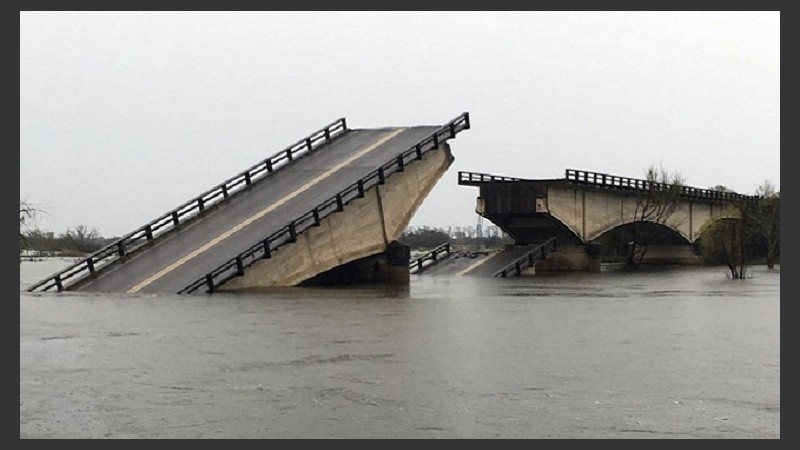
416	265
613	181
171	220
537	254
288	233
473	178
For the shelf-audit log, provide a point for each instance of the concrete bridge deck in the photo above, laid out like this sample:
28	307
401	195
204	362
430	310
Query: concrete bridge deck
479	264
197	247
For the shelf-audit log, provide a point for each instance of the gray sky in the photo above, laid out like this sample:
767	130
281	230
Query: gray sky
126	115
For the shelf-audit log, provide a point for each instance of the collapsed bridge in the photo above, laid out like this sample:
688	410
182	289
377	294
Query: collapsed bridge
327	209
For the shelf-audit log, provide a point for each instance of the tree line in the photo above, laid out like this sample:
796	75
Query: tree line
426	239
76	241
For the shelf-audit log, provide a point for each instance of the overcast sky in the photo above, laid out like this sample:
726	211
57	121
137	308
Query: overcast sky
126	115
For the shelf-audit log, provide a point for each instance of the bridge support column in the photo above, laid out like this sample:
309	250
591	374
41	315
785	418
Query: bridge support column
672	255
584	258
387	268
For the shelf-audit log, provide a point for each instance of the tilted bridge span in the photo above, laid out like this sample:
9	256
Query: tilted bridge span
326	209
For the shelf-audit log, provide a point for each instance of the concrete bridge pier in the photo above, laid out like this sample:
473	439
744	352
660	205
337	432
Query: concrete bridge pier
387	268
576	257
587	258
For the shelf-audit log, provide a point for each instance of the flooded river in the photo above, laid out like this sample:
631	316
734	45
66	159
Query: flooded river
668	353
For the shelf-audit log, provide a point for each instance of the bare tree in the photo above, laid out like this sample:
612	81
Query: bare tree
27	213
656	203
81	240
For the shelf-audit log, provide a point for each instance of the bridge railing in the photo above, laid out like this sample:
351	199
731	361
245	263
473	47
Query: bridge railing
529	259
440	251
614	181
288	233
171	220
472	178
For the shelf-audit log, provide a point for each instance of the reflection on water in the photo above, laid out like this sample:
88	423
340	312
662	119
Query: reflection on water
668	353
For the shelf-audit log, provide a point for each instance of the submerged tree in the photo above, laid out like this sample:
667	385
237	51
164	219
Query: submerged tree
756	231
723	240
765	219
656	203
27	213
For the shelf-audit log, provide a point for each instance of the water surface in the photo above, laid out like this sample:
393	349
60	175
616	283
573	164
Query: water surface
672	353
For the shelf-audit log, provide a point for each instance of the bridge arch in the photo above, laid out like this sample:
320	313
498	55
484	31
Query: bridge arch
567	225
665	229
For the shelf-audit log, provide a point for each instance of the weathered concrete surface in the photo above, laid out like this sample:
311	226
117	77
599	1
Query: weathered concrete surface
591	213
569	257
497	261
579	217
684	255
389	268
201	246
365	227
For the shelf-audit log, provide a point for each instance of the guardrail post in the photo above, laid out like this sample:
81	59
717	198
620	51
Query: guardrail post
224	191
239	266
466	121
315	213
210	282
436	140
268	163
90	265
289	154
148	231
59	285
267	251
339	203
381	177
201	204
121	248
292	232
327	134
419	152
309	144
344	124
247	179
360	184
175	218
419	264
400	164
516	266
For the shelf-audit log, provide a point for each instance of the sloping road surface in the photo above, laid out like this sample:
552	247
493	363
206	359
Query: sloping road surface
199	247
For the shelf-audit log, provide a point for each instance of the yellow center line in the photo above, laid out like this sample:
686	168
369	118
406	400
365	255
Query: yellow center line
477	264
261	213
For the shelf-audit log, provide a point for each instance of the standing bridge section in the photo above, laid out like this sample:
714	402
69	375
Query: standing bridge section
584	210
337	198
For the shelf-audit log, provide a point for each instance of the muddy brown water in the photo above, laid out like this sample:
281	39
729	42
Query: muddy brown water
666	353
